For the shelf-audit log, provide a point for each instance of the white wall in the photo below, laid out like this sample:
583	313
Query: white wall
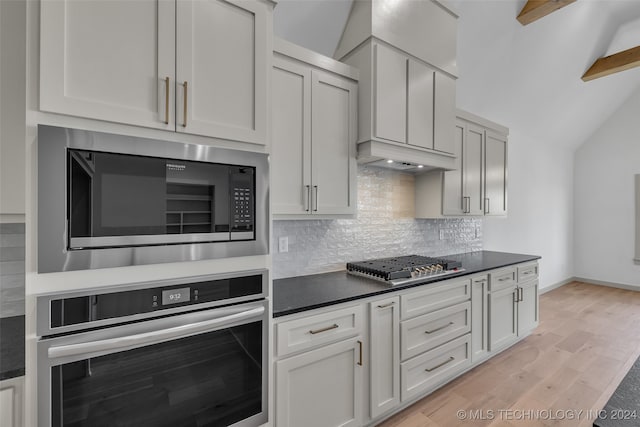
540	207
604	198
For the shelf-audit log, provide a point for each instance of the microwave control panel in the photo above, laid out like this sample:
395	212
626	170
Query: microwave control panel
242	209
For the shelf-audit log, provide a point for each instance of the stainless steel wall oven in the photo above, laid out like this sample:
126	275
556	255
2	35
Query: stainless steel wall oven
166	354
110	200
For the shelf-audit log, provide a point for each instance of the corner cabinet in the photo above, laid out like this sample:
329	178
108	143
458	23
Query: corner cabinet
313	135
357	363
478	185
199	66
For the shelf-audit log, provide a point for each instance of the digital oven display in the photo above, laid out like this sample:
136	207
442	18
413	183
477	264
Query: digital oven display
175	296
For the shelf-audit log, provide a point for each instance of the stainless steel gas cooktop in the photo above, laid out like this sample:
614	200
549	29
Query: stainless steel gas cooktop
404	269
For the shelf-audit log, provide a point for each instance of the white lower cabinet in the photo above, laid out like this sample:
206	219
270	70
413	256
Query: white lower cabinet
384	355
11	402
503	317
340	367
321	388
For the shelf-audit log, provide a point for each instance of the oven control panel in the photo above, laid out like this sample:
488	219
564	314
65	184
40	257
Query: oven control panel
123	305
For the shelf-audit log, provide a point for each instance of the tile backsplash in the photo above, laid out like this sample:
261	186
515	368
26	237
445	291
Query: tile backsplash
12	245
384	227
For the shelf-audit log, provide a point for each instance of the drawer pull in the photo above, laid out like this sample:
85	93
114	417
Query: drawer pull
439	329
328	328
504	279
480	281
528	272
387	305
449	360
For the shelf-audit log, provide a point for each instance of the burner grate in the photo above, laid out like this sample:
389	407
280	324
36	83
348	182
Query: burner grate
404	267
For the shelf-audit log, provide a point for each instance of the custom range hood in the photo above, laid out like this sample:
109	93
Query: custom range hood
405	51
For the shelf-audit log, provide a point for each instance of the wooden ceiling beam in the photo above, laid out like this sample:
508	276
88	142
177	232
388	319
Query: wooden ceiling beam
536	9
615	63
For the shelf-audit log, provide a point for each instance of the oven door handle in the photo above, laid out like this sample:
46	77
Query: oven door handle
128	342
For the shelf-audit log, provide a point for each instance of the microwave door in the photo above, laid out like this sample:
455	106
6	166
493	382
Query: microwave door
115	198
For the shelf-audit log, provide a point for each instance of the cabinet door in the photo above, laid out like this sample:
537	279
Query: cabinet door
479	318
390	94
503	318
420	105
528	307
321	388
495	202
291	138
453	201
384	316
444	113
6	407
333	144
222	57
473	169
109	60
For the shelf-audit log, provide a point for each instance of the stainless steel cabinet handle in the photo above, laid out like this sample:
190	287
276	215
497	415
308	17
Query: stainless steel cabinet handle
516	295
185	86
520	294
504	279
480	281
166	100
328	328
486	206
439	328
466	204
526	273
387	305
315	208
360	344
449	360
139	340
307	199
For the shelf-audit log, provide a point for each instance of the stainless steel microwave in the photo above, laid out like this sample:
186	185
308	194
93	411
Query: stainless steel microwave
108	200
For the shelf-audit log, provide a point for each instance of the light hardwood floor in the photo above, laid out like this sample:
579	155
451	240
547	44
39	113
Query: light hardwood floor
588	338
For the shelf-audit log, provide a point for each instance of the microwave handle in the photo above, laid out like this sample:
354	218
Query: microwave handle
148	338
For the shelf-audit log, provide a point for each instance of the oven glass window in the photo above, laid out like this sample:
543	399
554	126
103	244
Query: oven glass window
212	379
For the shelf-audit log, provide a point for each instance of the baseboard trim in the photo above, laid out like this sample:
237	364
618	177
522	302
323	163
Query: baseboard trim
607	284
557	285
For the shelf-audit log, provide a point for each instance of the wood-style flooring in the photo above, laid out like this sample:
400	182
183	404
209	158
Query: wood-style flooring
587	340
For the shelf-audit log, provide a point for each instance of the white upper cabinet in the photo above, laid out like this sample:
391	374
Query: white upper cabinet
444	115
109	60
495	182
198	66
313	133
291	138
333	118
479	184
221	68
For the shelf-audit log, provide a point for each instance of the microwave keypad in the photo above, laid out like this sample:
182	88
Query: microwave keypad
242	216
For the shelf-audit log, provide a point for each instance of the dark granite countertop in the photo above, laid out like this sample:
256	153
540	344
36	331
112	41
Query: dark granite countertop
623	408
302	293
11	347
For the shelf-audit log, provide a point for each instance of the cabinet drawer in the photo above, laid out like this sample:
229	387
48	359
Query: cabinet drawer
430	330
427	371
434	297
319	329
502	278
527	272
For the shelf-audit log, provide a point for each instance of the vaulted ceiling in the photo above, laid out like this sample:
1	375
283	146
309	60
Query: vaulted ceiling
525	77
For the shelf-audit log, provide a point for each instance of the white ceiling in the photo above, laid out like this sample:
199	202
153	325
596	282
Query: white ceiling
525	77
